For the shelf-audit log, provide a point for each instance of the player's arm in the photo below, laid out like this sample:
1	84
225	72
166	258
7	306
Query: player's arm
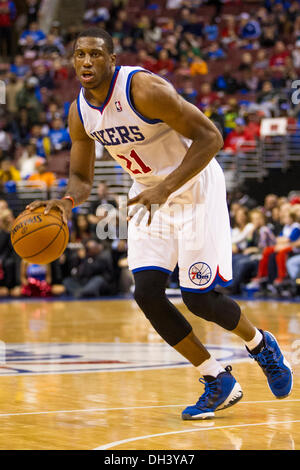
155	98
81	173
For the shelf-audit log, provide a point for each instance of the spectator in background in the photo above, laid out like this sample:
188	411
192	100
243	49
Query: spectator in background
37	35
206	96
36	281
242	230
27	161
59	135
104	203
91	274
28	98
188	91
13	86
7	256
261	61
238	137
183	68
164	65
42	142
226	82
215	52
19	68
8	15
42	177
211	30
296	55
245	263
198	66
32	11
8	172
44	77
283	245
279	57
81	228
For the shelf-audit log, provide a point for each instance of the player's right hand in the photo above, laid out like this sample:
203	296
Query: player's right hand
63	205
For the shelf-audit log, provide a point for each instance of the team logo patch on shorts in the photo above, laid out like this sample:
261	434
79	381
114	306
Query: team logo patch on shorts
200	274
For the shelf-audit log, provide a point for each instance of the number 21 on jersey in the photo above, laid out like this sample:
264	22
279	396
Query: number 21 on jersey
134	158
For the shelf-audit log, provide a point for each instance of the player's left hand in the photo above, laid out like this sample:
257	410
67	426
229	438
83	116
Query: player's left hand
150	201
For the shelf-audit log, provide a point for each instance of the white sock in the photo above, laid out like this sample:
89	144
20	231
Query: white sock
254	341
210	367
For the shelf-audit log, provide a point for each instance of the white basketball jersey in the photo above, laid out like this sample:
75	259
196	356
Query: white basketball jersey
148	150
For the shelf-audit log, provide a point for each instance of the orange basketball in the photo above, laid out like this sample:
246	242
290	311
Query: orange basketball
39	238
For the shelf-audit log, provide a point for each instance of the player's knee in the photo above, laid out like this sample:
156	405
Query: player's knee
214	307
149	290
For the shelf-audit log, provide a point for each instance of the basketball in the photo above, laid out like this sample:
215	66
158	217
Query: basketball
39	238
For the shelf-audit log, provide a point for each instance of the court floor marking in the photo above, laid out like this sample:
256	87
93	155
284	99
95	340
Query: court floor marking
149	436
129	408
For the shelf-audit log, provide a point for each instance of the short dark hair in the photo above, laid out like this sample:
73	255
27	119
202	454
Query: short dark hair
95	32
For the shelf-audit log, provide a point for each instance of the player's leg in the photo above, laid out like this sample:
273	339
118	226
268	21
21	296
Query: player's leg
222	390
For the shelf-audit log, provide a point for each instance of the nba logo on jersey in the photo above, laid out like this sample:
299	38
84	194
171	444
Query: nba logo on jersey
118	106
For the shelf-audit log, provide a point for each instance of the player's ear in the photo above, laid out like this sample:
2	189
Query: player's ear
113	58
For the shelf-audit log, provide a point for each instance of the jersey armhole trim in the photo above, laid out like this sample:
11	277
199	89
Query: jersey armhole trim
78	108
131	104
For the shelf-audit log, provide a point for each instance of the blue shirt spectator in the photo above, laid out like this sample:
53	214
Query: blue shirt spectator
36	34
59	135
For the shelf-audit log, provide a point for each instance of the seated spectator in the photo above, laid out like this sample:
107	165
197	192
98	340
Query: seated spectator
226	82
242	230
145	60
52	46
91	274
27	161
13	86
42	177
296	55
229	33
246	61
37	35
42	142
59	135
206	96
188	92
28	98
81	228
284	244
211	30
268	36
19	68
238	137
293	263
104	203
183	68
215	52
5	139
198	66
261	61
278	58
245	262
36	281
7	255
249	27
164	65
44	77
8	172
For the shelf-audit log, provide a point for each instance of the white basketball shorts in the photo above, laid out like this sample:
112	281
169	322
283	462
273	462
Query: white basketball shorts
191	229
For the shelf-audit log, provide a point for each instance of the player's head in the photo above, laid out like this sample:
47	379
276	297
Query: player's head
94	57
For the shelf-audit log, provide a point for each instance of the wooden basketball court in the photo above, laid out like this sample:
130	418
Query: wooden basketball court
95	375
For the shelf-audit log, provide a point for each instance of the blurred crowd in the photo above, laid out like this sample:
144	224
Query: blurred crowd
265	247
237	68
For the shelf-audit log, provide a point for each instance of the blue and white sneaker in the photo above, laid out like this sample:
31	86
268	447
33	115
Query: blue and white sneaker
275	367
220	393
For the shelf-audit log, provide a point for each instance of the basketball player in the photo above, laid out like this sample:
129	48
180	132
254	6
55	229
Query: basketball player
168	146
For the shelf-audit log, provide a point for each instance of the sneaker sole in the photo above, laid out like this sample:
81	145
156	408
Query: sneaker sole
235	395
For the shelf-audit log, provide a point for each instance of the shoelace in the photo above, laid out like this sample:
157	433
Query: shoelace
266	359
210	388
